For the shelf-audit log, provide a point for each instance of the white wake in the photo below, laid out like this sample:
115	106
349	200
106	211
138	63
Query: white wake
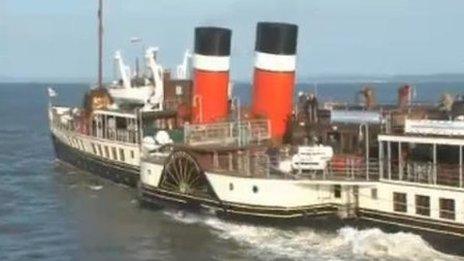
302	243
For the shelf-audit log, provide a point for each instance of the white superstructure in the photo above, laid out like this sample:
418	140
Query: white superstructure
395	189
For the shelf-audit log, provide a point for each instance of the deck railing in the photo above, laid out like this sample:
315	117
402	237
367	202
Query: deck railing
263	165
120	135
425	173
352	170
227	133
348	170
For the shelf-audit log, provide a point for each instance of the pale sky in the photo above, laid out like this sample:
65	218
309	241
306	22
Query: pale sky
57	39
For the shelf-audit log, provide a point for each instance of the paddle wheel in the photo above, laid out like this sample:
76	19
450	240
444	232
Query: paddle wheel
183	175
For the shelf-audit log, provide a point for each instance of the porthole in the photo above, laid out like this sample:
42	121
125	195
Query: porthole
255	189
231	186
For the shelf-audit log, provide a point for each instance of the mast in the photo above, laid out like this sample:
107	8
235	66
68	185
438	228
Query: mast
100	43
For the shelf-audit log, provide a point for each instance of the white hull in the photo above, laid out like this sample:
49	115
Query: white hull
354	197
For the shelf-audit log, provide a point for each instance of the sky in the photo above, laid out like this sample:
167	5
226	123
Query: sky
56	39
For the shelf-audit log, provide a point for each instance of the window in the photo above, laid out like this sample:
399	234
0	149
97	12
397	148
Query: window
374	193
178	90
94	149
231	186
422	205
115	153
121	123
107	152
337	191
447	208
132	154
121	154
255	189
399	202
100	150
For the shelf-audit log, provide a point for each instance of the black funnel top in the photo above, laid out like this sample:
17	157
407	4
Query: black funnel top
276	38
214	41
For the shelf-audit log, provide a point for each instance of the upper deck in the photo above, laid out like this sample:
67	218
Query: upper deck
106	124
427	152
256	161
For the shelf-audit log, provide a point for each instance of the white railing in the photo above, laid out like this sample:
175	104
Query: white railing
71	125
354	170
435	127
227	133
246	163
425	173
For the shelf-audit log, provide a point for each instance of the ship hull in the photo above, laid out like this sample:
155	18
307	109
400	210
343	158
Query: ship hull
118	173
322	216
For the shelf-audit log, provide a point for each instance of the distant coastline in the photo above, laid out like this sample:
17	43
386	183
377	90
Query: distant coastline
409	78
329	78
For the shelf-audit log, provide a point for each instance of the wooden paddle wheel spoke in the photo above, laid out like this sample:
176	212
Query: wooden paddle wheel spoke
170	186
172	176
182	168
182	174
195	180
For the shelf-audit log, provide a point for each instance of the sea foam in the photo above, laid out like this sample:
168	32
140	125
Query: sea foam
303	243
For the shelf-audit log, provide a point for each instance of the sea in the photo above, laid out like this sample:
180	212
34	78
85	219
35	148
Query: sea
51	211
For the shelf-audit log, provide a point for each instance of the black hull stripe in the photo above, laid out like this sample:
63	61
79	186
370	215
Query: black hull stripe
413	222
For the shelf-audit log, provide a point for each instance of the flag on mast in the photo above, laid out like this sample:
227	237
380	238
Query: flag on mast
135	39
51	92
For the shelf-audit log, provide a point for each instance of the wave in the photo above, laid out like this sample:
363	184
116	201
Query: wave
303	243
95	187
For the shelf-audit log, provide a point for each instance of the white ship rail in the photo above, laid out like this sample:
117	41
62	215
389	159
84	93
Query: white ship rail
352	170
439	170
68	123
346	169
261	165
434	127
227	133
240	164
424	173
256	163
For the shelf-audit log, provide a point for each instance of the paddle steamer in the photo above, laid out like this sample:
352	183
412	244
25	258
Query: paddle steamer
399	165
189	143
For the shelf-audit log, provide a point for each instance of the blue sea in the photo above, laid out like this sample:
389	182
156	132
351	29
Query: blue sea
50	211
